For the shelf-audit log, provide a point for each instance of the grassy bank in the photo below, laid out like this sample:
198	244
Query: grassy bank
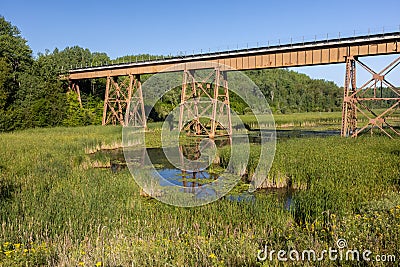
298	120
310	120
55	209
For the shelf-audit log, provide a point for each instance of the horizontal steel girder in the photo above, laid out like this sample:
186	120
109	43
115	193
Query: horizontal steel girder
293	55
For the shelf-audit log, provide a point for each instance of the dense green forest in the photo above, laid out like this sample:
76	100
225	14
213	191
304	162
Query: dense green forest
32	94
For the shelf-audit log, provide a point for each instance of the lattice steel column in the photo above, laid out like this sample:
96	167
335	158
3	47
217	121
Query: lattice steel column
190	91
135	112
114	102
376	92
349	111
123	103
206	103
75	87
221	104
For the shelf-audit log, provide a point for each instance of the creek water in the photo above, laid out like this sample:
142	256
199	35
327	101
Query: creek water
194	178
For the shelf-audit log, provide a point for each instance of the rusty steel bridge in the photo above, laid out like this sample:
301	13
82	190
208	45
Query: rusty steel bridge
123	102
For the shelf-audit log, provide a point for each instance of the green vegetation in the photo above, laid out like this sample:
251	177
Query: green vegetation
288	91
56	209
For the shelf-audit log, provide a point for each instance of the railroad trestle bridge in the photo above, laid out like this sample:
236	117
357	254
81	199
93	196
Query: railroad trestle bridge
123	101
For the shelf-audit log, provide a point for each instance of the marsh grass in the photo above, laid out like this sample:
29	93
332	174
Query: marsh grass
74	215
308	120
296	120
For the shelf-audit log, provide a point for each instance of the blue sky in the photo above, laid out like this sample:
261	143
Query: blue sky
168	27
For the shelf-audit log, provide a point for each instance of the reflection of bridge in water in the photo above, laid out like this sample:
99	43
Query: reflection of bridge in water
195	174
190	166
124	105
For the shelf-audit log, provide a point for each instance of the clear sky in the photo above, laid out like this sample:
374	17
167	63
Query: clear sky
120	28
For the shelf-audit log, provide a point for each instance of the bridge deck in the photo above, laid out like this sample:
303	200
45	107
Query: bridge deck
290	55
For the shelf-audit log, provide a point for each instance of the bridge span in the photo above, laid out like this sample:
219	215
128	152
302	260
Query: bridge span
331	51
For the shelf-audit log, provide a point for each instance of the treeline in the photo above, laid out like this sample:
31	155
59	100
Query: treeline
289	91
33	95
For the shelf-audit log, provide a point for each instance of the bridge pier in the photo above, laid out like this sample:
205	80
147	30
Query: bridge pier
135	113
75	87
205	103
361	100
118	101
349	111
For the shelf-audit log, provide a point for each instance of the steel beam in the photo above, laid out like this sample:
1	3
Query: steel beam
282	56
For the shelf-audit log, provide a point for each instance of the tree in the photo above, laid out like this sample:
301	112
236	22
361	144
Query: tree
13	47
5	82
15	57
